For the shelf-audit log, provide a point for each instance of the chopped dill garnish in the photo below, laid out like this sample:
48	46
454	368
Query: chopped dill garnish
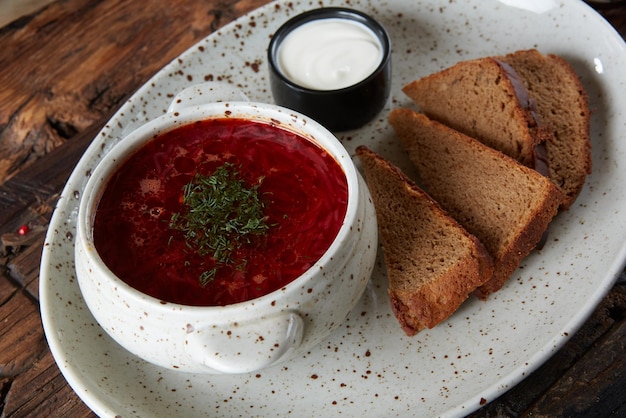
220	214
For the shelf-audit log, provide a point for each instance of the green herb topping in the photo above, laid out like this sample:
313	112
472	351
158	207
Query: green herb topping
219	215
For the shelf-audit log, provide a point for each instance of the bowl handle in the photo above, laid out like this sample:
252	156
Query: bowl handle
203	93
245	347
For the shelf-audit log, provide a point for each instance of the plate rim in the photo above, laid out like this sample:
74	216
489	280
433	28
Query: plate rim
97	404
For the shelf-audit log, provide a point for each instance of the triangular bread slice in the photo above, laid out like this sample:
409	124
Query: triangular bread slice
505	204
485	99
562	105
432	262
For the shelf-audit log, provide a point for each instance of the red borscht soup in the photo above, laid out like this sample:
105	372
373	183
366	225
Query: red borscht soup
220	211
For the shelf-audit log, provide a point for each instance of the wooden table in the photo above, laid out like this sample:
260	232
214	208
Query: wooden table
65	70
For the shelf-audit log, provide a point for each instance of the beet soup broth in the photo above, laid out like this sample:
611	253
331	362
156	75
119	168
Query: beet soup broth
302	190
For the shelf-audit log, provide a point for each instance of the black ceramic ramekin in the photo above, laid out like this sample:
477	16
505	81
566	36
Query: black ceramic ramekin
341	109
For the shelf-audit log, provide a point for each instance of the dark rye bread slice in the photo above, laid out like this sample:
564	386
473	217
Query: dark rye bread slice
484	99
562	105
432	262
506	205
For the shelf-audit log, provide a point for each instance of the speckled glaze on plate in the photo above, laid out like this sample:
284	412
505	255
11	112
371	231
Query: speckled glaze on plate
368	367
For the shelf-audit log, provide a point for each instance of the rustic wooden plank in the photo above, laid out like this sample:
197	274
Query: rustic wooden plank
42	391
21	335
22	254
30	196
24	268
77	60
63	79
7	288
52	106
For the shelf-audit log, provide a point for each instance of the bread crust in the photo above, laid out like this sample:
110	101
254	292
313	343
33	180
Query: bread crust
486	129
562	105
485	99
506	205
433	263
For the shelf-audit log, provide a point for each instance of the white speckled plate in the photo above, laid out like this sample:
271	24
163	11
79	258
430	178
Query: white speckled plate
368	367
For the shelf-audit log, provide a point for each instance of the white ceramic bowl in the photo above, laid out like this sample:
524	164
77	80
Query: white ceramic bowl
241	337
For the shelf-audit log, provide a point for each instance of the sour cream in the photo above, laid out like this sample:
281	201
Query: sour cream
329	54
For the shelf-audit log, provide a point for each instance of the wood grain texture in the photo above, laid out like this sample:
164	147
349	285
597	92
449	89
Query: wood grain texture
67	66
65	70
21	337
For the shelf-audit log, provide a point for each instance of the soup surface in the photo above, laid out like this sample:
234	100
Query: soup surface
146	224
